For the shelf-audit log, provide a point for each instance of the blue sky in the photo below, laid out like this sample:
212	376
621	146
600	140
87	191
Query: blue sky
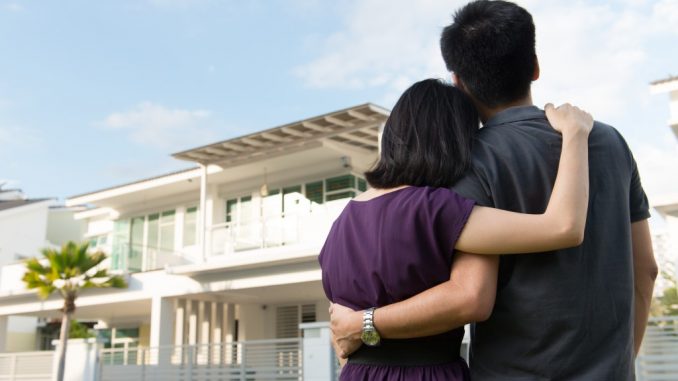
94	94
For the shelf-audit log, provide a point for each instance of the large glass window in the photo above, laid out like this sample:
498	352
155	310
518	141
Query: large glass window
135	260
167	231
142	235
190	226
314	192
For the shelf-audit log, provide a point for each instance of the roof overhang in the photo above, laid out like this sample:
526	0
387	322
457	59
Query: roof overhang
354	130
667	204
356	126
664	85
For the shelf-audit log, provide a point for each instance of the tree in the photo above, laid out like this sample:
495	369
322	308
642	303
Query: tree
68	271
667	303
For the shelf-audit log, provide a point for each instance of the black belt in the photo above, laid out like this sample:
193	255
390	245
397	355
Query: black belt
410	352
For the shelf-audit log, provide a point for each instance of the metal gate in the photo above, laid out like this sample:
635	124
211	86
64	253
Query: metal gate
658	357
247	360
34	366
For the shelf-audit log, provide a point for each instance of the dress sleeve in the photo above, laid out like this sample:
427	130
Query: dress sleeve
451	213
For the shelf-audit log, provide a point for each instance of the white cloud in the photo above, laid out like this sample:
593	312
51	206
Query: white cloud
383	43
658	166
12	136
590	54
174	4
13	7
151	124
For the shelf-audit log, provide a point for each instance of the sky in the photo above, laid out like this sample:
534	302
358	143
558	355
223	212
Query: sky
96	94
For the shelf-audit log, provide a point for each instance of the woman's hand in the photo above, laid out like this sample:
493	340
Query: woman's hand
568	119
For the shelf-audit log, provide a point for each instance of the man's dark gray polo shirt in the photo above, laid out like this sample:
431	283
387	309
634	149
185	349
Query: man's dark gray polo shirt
568	314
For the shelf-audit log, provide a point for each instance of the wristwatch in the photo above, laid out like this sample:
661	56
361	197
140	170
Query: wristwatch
369	335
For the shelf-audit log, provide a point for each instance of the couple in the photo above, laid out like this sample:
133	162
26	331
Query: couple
406	265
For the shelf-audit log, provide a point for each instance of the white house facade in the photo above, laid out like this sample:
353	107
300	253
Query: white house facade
26	226
667	204
223	252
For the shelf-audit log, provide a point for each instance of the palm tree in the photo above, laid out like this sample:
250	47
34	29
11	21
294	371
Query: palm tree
68	271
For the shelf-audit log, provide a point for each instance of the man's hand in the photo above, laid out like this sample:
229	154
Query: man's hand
346	326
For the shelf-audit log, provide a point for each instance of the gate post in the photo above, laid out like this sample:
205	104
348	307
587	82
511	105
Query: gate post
318	362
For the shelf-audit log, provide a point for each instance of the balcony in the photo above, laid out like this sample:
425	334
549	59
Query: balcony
241	238
309	227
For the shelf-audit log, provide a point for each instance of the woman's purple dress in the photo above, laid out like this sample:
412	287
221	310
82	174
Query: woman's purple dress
390	248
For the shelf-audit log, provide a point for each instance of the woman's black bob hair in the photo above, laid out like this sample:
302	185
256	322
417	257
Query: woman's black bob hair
427	138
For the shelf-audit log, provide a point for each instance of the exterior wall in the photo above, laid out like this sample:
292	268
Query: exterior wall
252	322
23	231
145	335
61	227
21	334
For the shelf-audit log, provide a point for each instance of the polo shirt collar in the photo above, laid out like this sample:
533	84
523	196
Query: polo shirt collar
515	114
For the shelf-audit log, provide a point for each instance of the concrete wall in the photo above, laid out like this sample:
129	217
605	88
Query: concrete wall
62	227
21	334
23	231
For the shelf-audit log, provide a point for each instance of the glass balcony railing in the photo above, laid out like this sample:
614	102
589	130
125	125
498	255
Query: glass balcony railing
301	227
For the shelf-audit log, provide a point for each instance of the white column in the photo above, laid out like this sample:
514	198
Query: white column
216	321
3	333
205	333
202	222
192	315
213	208
180	323
229	323
229	333
162	325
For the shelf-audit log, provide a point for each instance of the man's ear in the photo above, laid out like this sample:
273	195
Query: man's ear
535	75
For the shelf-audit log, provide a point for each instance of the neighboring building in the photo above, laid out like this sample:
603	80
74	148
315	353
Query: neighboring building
225	251
667	204
26	226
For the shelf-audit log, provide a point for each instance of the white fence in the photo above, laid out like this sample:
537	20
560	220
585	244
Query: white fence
250	360
26	366
658	357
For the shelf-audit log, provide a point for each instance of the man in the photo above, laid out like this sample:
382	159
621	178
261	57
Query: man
575	314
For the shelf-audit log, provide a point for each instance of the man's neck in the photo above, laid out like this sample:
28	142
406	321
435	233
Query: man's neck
486	113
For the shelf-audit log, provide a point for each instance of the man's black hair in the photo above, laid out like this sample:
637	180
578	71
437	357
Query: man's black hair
427	138
490	46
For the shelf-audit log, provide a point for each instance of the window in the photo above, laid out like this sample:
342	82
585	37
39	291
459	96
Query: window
231	209
362	185
97	242
240	209
339	196
190	226
314	192
167	231
289	317
340	182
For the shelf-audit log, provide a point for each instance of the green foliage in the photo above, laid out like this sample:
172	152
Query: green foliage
79	331
69	270
667	303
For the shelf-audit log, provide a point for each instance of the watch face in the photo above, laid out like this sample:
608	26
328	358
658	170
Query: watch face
370	338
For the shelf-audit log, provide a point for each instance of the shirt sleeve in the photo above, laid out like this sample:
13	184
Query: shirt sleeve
638	203
472	186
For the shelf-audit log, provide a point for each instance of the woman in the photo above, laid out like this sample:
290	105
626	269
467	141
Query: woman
398	238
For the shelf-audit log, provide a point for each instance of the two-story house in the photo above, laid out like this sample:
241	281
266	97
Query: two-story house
225	251
26	226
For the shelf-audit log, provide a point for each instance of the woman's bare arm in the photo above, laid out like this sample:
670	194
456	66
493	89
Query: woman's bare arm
495	231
